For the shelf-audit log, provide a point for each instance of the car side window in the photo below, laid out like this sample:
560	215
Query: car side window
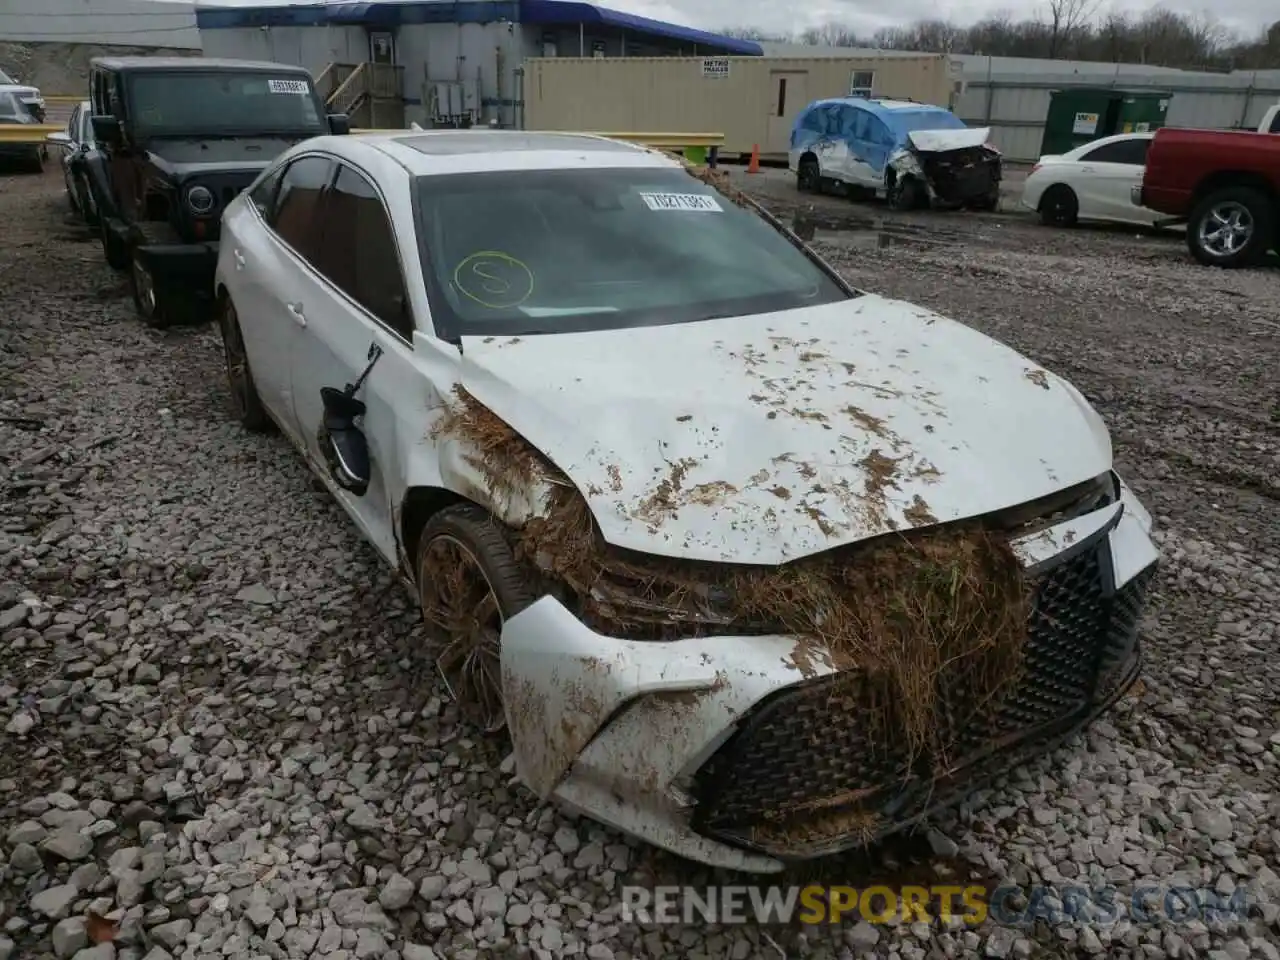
1132	152
293	214
263	196
1275	123
359	254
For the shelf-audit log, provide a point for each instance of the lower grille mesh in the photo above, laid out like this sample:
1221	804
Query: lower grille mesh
808	749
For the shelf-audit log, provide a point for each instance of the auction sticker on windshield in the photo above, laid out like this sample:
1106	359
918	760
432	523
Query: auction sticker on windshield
287	86
695	202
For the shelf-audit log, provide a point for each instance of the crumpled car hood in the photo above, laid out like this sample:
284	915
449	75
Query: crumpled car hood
767	438
938	141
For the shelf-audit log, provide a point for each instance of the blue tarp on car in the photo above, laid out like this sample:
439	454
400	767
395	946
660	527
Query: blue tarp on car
874	130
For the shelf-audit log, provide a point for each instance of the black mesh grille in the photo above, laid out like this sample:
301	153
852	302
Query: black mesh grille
807	748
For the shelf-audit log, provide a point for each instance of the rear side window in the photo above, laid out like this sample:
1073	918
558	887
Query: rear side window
1132	152
359	254
293	214
1275	123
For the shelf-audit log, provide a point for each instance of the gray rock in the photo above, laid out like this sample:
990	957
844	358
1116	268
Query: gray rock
7	947
397	893
863	936
69	935
370	944
25	859
172	934
28	831
415	951
103	951
55	902
68	845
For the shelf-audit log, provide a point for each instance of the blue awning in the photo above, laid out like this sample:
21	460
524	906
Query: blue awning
570	11
387	13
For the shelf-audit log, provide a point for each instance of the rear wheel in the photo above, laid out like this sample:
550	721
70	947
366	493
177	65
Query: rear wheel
244	393
1232	227
1059	207
469	584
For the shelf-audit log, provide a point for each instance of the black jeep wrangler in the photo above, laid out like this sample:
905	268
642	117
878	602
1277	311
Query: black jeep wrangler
180	138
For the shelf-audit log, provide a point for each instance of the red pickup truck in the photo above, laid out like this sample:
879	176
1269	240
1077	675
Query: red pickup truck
1224	184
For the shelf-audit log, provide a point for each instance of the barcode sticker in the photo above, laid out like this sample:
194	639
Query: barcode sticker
287	86
691	202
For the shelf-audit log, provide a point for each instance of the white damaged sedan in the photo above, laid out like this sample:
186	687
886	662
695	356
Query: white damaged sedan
750	564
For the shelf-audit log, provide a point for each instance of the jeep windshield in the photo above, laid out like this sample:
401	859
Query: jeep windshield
239	103
547	251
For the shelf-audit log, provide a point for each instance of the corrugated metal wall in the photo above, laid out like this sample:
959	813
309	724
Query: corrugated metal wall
1015	104
756	103
311	47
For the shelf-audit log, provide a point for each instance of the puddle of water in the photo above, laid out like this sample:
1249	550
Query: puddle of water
867	232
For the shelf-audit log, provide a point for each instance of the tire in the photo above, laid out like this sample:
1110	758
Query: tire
468	531
988	204
115	253
905	194
809	176
153	304
1059	206
1249	219
35	163
245	401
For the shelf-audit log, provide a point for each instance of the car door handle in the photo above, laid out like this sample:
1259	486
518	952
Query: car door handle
239	259
1088	170
295	311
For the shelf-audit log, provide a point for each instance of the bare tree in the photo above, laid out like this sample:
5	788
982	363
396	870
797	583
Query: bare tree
1066	17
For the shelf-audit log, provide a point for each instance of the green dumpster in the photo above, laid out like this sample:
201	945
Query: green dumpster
1078	115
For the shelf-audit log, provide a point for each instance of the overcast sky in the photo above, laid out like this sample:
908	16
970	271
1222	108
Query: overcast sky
867	16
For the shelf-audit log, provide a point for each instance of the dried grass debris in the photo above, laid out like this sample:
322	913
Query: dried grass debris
929	627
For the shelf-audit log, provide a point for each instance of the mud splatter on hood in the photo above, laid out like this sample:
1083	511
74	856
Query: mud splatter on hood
768	438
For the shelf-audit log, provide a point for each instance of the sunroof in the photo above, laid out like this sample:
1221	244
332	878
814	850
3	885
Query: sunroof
494	141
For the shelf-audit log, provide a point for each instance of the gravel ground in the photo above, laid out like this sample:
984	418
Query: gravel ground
219	740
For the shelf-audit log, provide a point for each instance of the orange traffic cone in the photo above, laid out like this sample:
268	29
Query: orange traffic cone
754	165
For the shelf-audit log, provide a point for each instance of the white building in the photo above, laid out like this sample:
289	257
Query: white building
440	61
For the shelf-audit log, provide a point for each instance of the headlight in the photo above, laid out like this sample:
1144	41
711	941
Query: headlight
199	200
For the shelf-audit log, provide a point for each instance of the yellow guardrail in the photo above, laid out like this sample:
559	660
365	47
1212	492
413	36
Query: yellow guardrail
28	132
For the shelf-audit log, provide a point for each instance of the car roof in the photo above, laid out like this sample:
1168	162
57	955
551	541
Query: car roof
194	63
1113	138
881	106
438	152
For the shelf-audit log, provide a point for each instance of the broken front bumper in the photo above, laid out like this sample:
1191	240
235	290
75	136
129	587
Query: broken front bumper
693	745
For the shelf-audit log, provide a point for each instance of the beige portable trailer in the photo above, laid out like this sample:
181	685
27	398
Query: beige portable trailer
752	100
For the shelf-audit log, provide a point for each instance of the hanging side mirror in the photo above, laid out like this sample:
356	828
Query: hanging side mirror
345	448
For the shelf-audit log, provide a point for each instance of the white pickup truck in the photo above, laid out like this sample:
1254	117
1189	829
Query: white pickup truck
1270	120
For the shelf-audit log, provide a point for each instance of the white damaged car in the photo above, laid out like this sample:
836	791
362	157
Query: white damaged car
750	564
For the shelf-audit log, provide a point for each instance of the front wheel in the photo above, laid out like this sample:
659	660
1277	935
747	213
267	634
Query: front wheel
148	299
809	176
1232	227
906	193
244	393
469	584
